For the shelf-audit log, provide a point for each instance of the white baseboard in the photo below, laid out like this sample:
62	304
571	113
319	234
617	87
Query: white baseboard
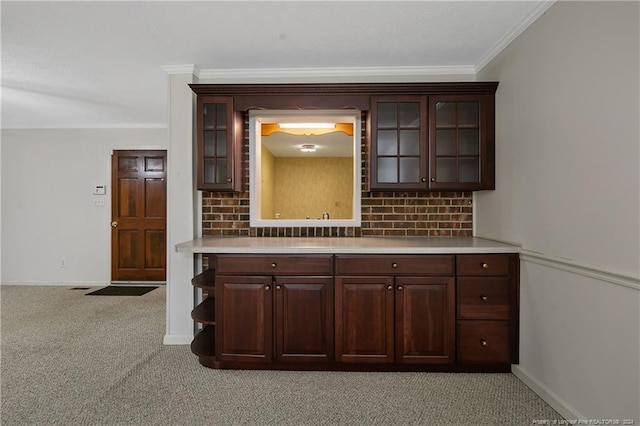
549	396
177	339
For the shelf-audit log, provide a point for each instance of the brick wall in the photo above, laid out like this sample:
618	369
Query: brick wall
383	213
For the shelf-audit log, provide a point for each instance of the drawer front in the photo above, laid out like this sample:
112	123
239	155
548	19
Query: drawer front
483	342
483	264
395	265
274	265
483	298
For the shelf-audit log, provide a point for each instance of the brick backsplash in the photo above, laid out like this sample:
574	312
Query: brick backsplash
383	213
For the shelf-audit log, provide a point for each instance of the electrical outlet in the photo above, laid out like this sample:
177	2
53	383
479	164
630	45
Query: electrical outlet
98	201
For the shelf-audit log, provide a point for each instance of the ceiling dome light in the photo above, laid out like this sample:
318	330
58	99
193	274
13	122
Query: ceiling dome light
308	148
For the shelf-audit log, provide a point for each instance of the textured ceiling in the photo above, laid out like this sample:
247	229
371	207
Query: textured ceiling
99	64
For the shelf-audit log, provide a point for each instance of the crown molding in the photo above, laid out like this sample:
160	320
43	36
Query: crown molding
181	69
333	72
537	12
342	89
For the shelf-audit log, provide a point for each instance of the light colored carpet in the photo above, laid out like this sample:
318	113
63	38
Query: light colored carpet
70	359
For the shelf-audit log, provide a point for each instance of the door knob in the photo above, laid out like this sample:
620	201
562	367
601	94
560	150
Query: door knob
114	224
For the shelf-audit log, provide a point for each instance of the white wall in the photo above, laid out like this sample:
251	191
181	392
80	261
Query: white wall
567	189
47	205
183	214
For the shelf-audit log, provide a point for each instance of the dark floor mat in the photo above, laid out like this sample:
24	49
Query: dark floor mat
118	290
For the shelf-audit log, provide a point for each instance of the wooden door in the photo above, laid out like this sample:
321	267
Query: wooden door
425	320
364	320
304	319
244	309
138	211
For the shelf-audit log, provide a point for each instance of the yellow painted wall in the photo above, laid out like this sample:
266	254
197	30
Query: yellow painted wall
267	164
310	186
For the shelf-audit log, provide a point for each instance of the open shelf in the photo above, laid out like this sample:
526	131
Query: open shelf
204	344
205	312
205	280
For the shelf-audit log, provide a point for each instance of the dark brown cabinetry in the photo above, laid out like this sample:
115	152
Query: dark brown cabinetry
399	142
442	312
405	315
423	136
461	142
274	308
219	144
203	344
459	154
487	302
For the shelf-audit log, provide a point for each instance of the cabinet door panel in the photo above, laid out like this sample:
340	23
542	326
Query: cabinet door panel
244	319
462	142
364	320
398	155
304	319
219	142
425	320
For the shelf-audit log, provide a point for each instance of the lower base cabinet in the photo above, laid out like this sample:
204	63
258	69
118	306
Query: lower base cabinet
404	317
274	318
361	312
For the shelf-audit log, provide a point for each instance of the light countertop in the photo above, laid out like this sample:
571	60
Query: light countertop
344	245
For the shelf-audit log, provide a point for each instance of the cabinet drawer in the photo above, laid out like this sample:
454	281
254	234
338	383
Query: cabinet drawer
394	265
274	265
483	264
483	341
483	298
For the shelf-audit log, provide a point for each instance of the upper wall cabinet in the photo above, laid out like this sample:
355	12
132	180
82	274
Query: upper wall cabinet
461	142
219	143
434	142
398	142
421	136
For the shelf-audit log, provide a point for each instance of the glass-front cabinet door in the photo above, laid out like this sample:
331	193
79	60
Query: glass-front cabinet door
216	144
461	139
398	142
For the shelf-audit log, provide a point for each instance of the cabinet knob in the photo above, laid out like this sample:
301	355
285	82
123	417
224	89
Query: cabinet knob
267	288
483	342
278	287
389	287
485	265
400	288
483	298
394	265
423	179
228	180
433	179
274	264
